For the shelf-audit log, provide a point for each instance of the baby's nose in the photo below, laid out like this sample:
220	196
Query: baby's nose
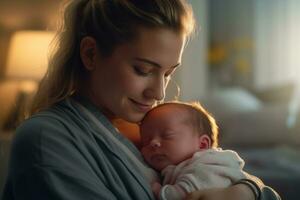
155	143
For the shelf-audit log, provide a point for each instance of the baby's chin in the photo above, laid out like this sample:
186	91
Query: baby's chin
159	167
158	162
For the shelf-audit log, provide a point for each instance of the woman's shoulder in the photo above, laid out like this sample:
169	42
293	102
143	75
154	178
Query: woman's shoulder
40	121
53	124
43	139
58	116
37	128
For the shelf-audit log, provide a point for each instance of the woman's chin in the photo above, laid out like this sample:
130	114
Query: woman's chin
134	117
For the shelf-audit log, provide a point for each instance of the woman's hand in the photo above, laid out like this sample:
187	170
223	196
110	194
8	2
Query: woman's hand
235	192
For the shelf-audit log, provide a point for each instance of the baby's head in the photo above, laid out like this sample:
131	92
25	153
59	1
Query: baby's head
172	132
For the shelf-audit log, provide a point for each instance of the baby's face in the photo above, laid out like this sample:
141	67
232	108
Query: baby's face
167	137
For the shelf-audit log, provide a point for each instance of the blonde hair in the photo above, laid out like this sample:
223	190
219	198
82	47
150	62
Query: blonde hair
111	23
202	120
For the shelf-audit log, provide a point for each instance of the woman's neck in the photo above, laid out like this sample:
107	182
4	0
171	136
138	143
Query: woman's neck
91	98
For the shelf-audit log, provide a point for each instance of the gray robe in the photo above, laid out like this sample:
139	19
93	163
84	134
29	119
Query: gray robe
59	154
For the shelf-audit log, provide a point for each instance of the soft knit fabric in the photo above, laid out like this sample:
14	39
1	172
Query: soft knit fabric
212	168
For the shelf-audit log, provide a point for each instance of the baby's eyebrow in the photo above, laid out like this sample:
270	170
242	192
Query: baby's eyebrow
168	131
155	64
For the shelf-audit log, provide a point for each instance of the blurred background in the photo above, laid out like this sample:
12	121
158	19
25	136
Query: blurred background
243	66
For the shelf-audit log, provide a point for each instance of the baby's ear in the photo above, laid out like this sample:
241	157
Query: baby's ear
204	142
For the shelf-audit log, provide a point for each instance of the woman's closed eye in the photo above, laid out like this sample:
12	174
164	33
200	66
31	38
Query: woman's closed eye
147	70
142	71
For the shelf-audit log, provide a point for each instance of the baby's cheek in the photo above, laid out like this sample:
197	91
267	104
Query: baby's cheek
147	155
144	152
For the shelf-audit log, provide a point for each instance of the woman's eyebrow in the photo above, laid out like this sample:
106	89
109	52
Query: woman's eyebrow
152	62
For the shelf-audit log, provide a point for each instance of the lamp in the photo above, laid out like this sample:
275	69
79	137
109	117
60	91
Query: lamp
26	63
27	58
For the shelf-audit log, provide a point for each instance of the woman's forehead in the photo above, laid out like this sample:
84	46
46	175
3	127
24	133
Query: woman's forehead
162	46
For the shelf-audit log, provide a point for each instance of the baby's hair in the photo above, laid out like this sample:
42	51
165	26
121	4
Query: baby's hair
203	120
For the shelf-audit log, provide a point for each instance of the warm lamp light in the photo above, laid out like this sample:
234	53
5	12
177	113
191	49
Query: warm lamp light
27	57
27	63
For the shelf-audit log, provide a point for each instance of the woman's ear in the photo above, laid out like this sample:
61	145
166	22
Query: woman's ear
204	142
88	50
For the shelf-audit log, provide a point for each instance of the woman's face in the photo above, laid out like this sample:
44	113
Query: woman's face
134	77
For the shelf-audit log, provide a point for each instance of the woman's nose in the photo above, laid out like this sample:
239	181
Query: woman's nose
157	89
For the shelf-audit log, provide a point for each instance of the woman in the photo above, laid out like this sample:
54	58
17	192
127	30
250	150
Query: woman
113	60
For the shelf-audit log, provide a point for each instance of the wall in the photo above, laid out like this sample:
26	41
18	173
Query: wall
277	30
231	42
259	42
192	75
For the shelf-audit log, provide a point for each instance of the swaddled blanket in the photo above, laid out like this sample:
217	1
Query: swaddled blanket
211	168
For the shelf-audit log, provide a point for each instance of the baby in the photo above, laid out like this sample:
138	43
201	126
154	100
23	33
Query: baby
180	141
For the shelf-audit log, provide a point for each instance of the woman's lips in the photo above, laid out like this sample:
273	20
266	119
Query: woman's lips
141	106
